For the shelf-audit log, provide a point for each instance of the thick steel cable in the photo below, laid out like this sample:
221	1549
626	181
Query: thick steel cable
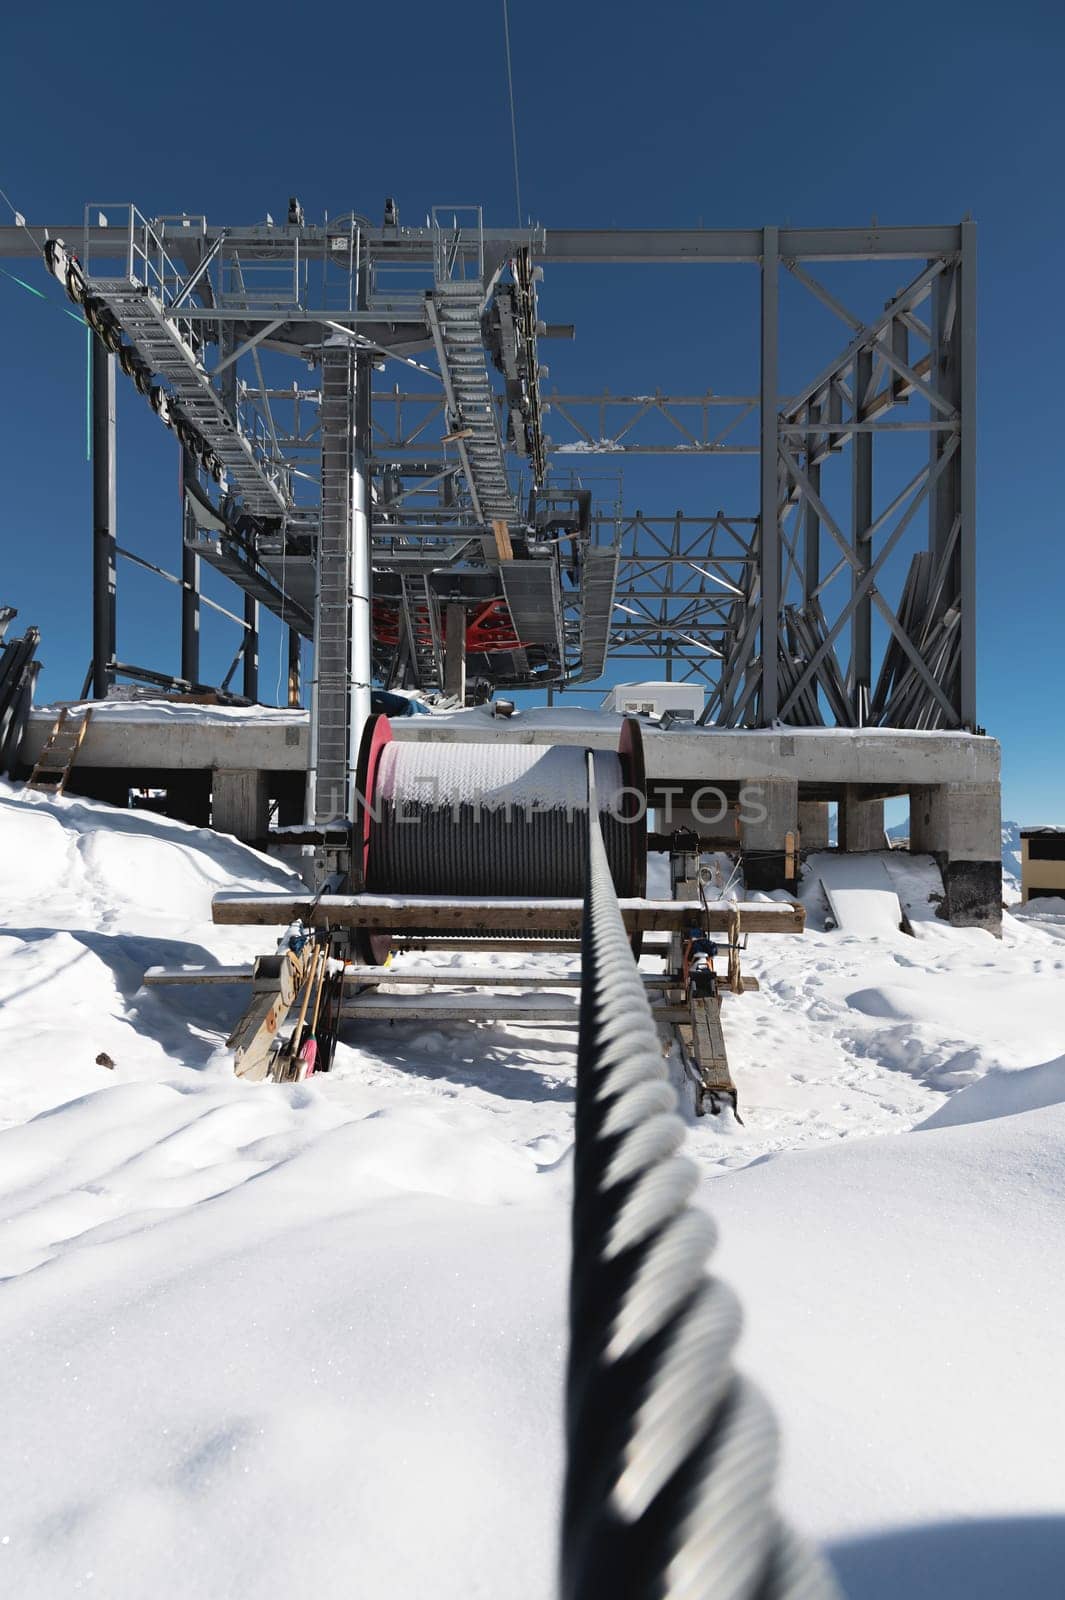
671	1455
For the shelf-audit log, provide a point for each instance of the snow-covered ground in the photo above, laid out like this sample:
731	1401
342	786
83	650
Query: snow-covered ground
296	1340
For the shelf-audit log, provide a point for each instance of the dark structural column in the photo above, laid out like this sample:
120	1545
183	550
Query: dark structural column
861	672
455	653
251	648
104	555
190	580
769	512
295	685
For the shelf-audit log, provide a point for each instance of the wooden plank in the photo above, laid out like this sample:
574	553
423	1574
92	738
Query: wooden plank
474	915
445	1007
158	976
252	1040
504	548
543	946
255	1035
452	977
709	1042
679	1011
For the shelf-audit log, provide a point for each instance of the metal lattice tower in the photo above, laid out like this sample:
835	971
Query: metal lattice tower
843	594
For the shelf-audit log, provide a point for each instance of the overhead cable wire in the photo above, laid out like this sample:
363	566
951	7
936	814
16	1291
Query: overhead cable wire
513	115
39	294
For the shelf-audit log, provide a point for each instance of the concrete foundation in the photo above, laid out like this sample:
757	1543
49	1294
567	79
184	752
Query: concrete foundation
790	775
861	821
240	802
961	825
769	822
813	824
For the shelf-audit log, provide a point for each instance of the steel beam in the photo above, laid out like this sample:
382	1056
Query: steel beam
967	474
455	653
295	686
746	244
861	669
811	521
361	565
190	579
769	523
104	502
251	648
417	245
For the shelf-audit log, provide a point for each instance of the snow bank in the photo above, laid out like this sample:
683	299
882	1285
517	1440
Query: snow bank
1003	1093
173	711
860	895
278	1340
901	1316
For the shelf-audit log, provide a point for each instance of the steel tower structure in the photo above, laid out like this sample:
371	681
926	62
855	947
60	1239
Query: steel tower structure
409	510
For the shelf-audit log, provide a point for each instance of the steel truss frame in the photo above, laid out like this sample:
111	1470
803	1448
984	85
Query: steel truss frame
853	606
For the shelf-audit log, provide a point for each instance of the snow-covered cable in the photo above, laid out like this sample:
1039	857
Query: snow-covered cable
671	1455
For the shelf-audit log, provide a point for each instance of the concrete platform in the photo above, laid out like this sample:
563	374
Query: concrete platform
823	761
767	790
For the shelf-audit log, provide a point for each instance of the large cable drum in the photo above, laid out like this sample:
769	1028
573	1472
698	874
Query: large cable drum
497	819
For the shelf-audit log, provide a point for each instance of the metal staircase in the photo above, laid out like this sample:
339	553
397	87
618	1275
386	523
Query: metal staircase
454	311
158	340
422	617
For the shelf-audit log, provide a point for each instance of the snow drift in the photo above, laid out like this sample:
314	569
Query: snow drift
308	1339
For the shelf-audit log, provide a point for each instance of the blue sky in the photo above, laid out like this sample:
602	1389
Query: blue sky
628	115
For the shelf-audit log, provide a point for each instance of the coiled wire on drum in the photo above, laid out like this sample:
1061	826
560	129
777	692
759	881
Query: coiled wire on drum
488	819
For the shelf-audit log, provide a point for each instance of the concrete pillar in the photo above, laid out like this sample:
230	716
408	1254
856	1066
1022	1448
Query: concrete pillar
769	825
961	825
813	824
240	802
861	822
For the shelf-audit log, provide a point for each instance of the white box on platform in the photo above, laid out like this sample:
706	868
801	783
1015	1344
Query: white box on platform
652	699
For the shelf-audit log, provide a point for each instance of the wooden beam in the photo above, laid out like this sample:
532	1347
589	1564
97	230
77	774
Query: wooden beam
462	1008
458	977
504	548
473	915
408	944
276	983
156	976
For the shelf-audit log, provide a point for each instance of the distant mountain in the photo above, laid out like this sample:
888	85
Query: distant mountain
1011	851
1011	847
